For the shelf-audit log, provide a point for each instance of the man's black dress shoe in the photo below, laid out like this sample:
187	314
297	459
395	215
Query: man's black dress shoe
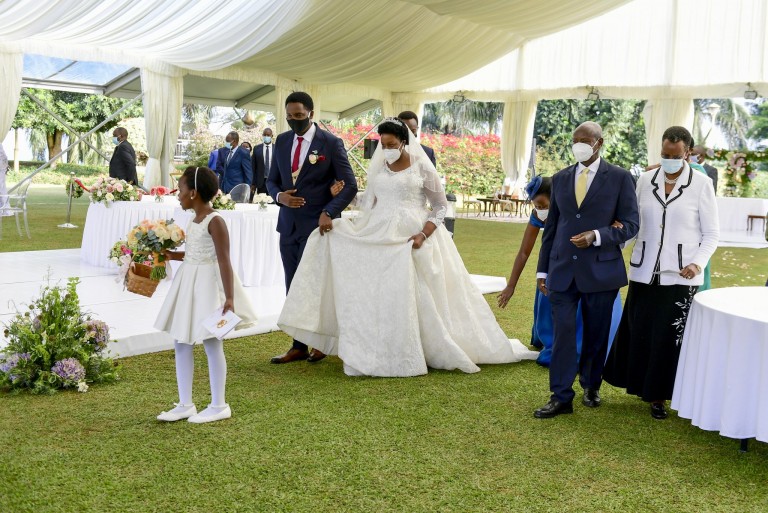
658	411
552	409
591	398
293	355
315	356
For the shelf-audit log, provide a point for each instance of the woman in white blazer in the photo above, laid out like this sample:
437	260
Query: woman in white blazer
678	234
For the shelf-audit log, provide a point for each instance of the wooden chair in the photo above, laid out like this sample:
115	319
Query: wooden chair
474	205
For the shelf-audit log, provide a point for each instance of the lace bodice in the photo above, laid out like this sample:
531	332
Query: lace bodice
405	190
199	245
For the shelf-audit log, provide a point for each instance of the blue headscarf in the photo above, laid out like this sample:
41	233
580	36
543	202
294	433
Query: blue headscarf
533	186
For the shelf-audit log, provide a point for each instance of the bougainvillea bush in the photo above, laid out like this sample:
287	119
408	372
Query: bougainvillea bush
471	165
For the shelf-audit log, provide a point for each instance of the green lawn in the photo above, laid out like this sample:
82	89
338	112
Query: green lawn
307	438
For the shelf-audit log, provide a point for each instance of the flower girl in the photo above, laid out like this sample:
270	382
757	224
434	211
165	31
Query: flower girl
203	284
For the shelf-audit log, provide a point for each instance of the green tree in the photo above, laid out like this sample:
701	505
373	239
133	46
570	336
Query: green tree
622	122
463	118
733	120
81	111
759	128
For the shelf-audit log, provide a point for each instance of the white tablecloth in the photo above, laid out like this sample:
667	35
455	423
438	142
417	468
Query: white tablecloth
106	225
254	243
733	212
722	375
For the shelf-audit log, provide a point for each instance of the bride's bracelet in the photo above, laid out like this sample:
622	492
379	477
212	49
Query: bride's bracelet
425	235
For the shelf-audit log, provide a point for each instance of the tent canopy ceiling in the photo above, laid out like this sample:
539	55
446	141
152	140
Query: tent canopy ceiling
240	46
644	49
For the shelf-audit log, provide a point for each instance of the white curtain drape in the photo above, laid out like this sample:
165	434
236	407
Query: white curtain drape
281	93
661	114
163	97
517	139
10	88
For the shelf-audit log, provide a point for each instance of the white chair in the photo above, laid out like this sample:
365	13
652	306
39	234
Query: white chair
16	204
240	193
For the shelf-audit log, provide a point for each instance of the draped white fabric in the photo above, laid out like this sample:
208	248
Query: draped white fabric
366	42
10	88
163	97
644	49
661	114
517	138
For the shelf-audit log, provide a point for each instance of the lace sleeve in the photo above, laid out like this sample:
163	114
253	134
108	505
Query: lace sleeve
433	190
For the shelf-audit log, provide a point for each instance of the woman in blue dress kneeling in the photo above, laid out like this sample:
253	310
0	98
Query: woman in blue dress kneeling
539	190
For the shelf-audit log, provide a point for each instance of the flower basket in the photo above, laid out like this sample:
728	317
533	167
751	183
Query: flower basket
138	280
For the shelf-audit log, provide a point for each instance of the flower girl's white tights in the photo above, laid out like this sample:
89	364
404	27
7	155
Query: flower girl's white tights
217	371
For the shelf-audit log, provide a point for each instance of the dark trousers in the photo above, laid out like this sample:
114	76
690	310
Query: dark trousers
596	309
291	250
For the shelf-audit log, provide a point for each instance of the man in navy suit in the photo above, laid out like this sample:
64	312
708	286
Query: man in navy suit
581	260
233	166
306	164
412	121
262	157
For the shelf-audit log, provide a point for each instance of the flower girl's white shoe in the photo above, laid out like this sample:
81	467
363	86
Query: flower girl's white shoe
181	412
211	414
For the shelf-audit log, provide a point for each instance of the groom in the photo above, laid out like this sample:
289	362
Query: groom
306	164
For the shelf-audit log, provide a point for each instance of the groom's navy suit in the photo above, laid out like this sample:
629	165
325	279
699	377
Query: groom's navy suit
593	275
314	185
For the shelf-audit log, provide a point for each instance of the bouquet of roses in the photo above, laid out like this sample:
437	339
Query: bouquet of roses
263	200
222	201
107	190
153	238
160	191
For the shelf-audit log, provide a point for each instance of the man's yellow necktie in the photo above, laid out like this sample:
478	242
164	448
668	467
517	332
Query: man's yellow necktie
581	186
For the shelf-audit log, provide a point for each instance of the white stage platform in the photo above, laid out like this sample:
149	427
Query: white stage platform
130	316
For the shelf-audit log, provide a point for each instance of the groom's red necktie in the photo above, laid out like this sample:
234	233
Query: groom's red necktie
296	155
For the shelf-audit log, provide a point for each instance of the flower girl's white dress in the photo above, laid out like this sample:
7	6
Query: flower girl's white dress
386	309
197	290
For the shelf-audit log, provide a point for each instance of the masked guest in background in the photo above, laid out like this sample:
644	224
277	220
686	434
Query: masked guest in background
699	155
234	164
678	234
412	122
539	191
260	162
122	165
581	261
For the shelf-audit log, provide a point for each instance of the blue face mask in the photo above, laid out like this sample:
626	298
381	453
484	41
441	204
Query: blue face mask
267	139
115	141
228	145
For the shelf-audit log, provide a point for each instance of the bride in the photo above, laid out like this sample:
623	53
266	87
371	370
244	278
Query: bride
387	291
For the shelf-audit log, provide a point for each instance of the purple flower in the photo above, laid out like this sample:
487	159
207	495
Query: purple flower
97	333
36	323
11	362
69	370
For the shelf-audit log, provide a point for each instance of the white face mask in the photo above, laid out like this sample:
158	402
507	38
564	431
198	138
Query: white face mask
542	214
582	151
694	159
671	166
391	155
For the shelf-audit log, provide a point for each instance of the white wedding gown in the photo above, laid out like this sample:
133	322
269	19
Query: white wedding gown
385	309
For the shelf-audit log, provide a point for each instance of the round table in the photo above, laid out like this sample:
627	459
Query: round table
254	244
722	375
105	225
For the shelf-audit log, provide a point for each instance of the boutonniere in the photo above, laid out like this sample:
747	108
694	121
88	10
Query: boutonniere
314	158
